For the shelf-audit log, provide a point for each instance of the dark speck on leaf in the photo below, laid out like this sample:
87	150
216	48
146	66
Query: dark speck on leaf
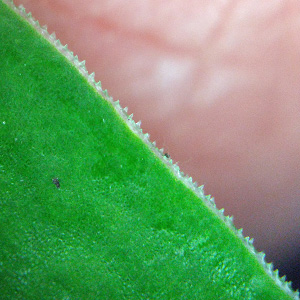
167	155
56	182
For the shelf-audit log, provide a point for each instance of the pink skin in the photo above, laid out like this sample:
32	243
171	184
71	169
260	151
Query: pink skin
217	85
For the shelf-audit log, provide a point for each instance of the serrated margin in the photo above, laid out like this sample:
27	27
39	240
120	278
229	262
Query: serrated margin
136	128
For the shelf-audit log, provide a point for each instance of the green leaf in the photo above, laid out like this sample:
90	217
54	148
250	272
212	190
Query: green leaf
90	209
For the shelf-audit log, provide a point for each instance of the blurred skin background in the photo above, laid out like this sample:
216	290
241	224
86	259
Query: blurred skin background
217	85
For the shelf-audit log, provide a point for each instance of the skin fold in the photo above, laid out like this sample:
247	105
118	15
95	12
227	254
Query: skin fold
215	83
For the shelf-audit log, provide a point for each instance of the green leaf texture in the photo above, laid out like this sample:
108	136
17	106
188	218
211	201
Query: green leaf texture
89	208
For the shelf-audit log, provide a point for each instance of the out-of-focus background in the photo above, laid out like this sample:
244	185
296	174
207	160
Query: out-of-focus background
215	83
